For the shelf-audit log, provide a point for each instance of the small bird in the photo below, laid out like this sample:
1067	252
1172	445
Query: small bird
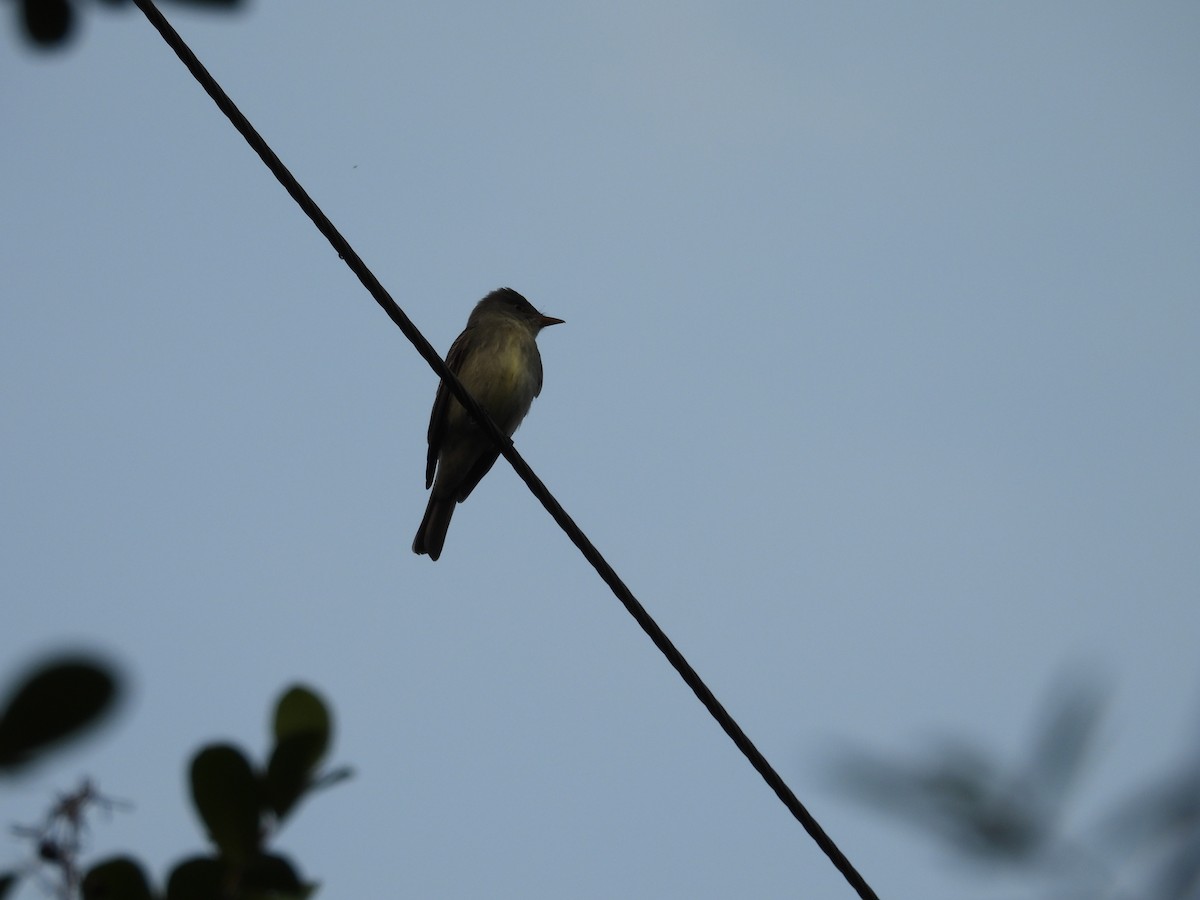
497	360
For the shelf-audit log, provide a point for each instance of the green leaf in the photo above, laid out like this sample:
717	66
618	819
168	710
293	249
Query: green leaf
301	711
198	878
56	702
289	773
120	878
302	734
227	793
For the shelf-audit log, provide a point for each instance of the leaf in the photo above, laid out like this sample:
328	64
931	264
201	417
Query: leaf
56	702
300	711
1065	738
227	793
198	878
47	22
302	732
120	878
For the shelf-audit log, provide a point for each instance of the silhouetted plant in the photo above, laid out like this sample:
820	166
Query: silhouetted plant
1012	814
241	805
50	24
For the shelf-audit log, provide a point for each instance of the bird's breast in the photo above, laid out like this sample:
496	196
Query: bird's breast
504	375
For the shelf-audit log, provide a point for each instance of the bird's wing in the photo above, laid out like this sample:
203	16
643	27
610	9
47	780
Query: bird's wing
441	408
482	466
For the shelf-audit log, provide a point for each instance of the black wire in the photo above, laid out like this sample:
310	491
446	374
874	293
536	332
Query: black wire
539	490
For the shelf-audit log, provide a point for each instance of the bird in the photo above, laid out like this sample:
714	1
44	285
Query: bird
496	358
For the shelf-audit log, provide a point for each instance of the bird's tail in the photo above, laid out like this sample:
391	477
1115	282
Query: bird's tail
432	533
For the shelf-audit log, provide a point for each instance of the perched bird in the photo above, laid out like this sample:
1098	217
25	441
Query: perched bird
497	360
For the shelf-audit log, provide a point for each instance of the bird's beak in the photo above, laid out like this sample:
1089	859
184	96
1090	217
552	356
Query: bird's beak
549	320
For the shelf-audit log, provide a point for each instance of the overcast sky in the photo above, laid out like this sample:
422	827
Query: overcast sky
879	386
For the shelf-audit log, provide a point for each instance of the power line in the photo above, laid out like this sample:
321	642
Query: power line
539	490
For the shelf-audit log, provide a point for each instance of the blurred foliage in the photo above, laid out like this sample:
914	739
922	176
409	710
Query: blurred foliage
50	24
1011	814
57	701
241	805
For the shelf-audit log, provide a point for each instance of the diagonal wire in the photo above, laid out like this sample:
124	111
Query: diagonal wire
539	490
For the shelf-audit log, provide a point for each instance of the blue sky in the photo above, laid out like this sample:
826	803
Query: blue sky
878	386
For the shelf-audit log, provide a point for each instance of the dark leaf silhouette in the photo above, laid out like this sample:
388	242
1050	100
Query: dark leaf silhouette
227	795
50	24
47	23
302	729
58	701
116	879
197	878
